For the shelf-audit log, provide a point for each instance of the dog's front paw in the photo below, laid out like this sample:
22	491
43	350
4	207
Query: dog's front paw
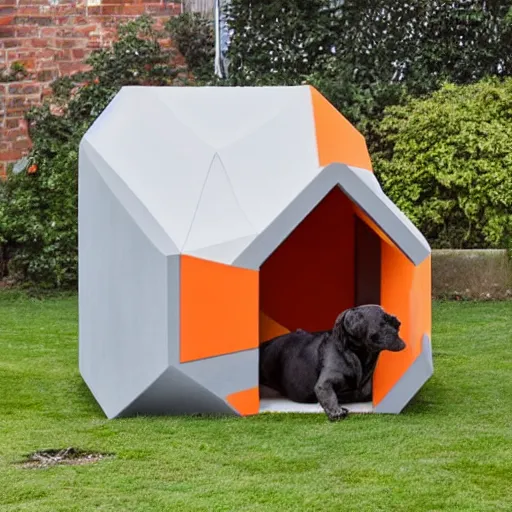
338	415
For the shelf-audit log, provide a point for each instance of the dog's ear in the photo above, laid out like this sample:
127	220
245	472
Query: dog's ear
351	322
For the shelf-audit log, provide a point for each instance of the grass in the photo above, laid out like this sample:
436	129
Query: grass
450	450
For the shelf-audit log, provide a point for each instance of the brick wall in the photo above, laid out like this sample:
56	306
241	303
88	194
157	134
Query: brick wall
51	38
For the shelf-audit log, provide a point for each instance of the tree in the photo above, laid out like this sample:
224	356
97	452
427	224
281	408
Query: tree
446	161
38	210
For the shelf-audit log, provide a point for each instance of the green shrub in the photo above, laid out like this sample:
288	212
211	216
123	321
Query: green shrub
446	161
38	206
194	36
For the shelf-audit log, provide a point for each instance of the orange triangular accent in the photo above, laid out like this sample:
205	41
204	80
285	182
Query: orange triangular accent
369	222
269	328
337	140
246	402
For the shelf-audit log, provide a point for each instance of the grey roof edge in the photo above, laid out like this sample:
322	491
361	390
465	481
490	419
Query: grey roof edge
134	207
362	191
411	381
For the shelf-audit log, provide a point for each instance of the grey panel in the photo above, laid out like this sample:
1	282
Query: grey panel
173	393
140	214
225	374
386	215
367	265
356	186
123	336
173	309
277	231
411	382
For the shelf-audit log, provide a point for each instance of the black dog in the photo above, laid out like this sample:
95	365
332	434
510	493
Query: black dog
331	367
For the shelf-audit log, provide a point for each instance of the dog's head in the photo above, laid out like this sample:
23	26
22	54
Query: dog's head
369	327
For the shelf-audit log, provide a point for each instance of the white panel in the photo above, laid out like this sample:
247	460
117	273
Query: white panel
283	405
219	217
163	162
222	115
223	253
274	163
140	214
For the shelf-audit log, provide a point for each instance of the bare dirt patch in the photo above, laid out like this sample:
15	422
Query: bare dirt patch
62	457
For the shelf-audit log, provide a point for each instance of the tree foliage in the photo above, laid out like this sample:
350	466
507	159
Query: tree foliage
38	206
446	161
363	54
194	36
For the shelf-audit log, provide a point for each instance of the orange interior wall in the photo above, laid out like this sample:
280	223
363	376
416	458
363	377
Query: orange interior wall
403	295
309	279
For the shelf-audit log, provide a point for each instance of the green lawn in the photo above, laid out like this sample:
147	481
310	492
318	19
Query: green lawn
450	450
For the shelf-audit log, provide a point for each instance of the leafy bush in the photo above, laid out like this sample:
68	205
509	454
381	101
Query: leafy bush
194	36
38	207
446	161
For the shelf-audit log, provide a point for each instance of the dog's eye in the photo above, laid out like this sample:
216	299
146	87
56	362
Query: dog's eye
394	322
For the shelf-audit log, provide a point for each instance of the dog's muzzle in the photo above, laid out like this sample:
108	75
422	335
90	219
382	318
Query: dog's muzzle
397	345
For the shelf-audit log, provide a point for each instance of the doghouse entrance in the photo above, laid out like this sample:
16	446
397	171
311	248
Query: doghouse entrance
330	262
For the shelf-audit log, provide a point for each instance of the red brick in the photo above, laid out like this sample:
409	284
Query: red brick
12	124
71	43
49	32
26	31
70	68
28	11
10	43
21	88
79	54
133	9
22	144
111	9
40	43
32	2
20	54
10	156
7	31
62	55
94	44
47	75
86	30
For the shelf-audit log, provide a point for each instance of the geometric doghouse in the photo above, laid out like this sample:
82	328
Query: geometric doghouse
213	219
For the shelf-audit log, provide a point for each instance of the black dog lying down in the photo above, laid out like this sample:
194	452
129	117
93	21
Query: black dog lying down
331	367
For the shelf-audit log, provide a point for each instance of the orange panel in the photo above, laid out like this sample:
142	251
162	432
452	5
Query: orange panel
337	140
421	300
270	328
309	279
369	222
218	309
405	292
246	402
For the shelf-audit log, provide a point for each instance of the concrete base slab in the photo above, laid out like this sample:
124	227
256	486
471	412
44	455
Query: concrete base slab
287	406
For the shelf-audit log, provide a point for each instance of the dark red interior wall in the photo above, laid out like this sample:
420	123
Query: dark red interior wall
309	279
367	269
